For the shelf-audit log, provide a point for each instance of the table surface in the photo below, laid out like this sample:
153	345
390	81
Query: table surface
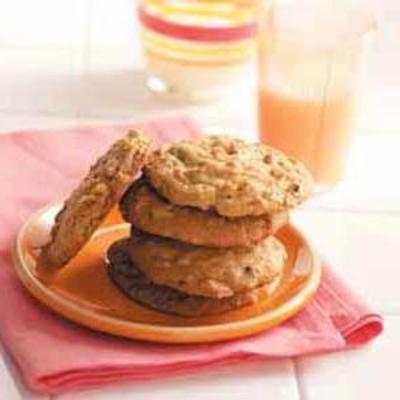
357	227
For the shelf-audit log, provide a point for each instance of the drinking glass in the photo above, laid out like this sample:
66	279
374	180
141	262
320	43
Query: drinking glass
196	48
310	57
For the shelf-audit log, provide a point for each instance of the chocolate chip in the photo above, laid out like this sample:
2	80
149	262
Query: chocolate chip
268	159
295	188
248	270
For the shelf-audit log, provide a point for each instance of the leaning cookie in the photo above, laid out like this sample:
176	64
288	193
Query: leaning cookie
133	283
204	271
230	176
89	204
145	209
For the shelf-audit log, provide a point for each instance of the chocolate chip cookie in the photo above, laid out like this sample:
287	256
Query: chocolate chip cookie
133	283
89	204
143	207
205	271
228	175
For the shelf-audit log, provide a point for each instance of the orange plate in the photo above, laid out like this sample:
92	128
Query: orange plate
82	291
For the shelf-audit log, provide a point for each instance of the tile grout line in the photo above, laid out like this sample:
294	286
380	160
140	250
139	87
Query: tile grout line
86	48
302	395
86	39
299	384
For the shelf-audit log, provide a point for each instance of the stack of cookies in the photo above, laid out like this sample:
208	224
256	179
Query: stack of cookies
203	219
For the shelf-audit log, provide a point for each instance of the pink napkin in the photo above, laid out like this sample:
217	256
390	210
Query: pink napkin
55	355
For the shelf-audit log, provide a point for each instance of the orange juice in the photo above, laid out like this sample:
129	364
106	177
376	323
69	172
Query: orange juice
307	98
317	132
309	61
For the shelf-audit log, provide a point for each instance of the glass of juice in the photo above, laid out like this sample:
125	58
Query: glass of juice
310	54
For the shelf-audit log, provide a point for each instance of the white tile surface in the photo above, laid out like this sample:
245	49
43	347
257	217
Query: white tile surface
11	387
112	22
122	94
364	249
368	373
42	22
103	84
37	81
256	381
368	183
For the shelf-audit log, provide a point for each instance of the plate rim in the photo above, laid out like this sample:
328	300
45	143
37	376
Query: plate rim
162	334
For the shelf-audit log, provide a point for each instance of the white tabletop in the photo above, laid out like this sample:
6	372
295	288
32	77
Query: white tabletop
357	227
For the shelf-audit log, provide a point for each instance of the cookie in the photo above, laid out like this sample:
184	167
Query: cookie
145	209
205	271
133	283
228	175
89	204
